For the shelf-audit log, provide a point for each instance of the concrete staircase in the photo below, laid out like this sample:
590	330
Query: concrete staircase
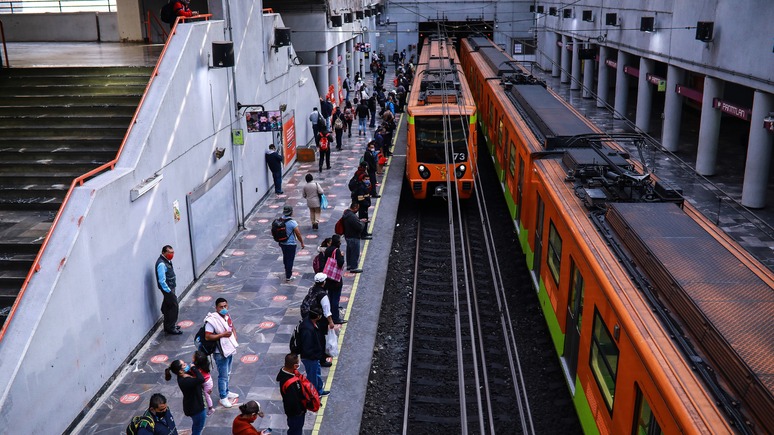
55	125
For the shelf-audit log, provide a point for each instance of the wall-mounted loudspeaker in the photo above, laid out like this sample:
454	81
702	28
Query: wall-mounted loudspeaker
282	37
222	54
647	24
704	30
611	19
336	20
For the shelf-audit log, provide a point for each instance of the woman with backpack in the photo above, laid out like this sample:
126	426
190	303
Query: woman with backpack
338	126
335	282
190	381
349	116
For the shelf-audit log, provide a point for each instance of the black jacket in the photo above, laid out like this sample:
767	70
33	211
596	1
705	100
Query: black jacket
370	158
353	228
326	108
311	348
274	161
362	111
291	397
193	399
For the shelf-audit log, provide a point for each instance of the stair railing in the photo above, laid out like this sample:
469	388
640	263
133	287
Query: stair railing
94	172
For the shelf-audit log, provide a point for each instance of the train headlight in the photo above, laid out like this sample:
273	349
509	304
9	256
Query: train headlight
460	171
424	172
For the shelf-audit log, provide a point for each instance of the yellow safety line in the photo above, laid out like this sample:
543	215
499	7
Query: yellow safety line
329	381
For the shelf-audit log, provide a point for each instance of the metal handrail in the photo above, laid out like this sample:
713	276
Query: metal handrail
83	178
5	48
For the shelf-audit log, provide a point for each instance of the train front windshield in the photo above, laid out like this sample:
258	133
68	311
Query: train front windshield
429	135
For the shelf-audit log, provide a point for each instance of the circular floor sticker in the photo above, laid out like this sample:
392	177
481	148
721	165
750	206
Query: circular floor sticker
266	325
185	324
274	206
238	253
279	298
249	359
127	399
204	298
344	299
251	236
158	359
223	273
262	221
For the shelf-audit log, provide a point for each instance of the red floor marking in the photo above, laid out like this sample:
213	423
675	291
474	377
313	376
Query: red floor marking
127	399
204	298
279	298
267	325
238	253
249	359
223	273
251	236
185	324
158	359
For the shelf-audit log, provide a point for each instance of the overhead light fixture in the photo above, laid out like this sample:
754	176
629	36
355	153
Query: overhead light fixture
145	187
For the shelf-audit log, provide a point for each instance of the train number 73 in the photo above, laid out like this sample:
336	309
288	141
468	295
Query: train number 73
459	157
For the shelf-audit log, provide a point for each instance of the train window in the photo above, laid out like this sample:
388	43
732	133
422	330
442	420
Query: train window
603	360
491	113
512	165
500	141
538	238
554	252
430	139
645	422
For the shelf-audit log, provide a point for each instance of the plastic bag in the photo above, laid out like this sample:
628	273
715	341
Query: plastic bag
323	201
332	343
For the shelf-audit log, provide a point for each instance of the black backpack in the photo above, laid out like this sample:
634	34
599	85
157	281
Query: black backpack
167	13
278	230
352	183
321	125
201	342
312	299
295	340
138	422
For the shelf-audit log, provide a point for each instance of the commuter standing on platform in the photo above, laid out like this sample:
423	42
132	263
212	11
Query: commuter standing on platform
312	350
190	382
372	109
157	419
347	85
218	326
274	162
335	284
369	157
339	124
315	119
166	281
349	116
362	118
243	423
325	142
326	109
292	395
312	192
354	229
289	246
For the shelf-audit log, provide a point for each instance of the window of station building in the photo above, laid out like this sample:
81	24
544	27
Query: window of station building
645	422
603	360
554	252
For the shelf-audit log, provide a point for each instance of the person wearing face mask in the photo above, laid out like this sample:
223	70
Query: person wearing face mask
167	282
218	326
190	381
157	419
243	423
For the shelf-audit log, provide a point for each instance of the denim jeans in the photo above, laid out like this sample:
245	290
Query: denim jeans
224	367
313	373
334	294
361	124
353	252
296	424
288	258
198	422
277	181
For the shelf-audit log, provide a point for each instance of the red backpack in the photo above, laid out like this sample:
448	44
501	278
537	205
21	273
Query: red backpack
309	397
324	143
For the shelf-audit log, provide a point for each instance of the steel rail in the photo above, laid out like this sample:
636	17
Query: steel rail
411	331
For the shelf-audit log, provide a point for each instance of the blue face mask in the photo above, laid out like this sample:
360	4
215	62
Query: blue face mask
223	312
187	368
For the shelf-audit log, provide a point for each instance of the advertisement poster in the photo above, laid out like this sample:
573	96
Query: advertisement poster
288	137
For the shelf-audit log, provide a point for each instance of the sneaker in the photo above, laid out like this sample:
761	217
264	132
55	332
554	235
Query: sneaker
225	403
291	279
210	411
324	393
232	395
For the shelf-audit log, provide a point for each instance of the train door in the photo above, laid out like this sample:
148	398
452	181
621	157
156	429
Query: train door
573	323
536	260
519	187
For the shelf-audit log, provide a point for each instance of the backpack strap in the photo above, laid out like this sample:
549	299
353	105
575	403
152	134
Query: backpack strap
287	384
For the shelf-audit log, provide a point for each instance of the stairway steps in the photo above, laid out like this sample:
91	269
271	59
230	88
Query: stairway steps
71	91
77	72
71	168
17	262
40	122
69	111
103	133
57	144
11	156
69	101
62	80
37	181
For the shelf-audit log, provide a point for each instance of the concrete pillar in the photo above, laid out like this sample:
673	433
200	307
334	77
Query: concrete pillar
352	62
575	83
673	109
756	170
333	75
644	95
588	77
130	22
621	87
557	54
603	85
321	79
565	56
709	129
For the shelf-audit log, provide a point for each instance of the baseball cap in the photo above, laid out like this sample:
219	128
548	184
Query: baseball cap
320	277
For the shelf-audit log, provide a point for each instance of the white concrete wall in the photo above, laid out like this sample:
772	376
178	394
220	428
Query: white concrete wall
95	298
74	26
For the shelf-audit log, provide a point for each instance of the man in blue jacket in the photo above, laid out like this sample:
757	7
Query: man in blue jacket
157	419
166	280
274	162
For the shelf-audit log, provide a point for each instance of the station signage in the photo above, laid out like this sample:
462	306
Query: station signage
691	94
611	63
632	71
656	80
730	109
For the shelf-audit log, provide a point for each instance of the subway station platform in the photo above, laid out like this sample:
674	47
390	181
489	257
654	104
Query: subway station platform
250	275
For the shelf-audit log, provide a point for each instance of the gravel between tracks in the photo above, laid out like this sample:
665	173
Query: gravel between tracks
549	398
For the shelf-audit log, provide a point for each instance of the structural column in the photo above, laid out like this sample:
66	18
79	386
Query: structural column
709	128
756	170
588	77
565	56
557	54
602	81
644	95
621	87
322	73
334	74
575	84
673	109
351	62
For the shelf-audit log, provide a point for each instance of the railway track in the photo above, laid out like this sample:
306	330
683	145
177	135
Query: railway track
463	373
